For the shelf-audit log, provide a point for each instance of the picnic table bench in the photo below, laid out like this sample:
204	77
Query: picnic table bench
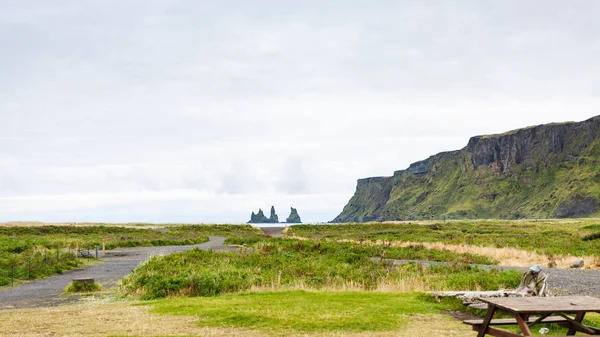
529	311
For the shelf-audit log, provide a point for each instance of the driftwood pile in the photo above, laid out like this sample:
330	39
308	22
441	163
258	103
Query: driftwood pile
533	283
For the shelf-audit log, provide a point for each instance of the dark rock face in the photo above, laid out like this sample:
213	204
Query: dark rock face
294	217
530	146
420	167
543	171
579	206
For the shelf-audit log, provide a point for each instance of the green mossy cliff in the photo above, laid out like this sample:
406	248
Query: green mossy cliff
545	171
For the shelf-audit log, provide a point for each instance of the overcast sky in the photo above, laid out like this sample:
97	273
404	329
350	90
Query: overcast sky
203	111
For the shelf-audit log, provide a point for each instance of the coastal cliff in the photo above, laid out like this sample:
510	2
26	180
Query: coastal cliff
543	171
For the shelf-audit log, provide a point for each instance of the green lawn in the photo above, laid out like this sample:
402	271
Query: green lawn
299	311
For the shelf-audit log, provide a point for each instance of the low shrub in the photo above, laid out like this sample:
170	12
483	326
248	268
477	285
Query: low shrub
591	237
295	264
82	287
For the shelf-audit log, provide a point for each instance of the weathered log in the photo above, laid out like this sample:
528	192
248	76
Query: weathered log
470	297
83	280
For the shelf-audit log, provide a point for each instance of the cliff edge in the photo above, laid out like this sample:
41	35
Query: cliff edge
544	171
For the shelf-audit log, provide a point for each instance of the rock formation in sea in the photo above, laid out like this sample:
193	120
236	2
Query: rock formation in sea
261	218
258	218
294	217
273	218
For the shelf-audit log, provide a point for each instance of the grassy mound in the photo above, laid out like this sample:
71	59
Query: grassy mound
293	264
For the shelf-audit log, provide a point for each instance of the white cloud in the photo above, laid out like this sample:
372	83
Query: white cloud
202	111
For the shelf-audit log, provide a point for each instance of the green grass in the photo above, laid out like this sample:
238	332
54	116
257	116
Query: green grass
20	239
293	264
80	287
307	312
40	251
593	320
545	237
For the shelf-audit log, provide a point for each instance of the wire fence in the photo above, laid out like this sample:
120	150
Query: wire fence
40	263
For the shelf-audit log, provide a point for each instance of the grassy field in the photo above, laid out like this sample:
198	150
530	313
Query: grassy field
295	313
326	285
548	238
31	252
18	239
306	312
289	313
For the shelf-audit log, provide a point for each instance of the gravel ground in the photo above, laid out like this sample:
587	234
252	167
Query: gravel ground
275	232
115	265
560	281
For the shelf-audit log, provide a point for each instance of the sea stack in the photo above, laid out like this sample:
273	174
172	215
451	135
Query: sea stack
294	217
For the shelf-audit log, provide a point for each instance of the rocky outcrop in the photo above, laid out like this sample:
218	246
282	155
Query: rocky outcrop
273	218
420	167
294	216
543	171
258	218
261	218
579	206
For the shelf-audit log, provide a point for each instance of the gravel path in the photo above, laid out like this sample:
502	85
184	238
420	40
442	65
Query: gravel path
115	265
560	281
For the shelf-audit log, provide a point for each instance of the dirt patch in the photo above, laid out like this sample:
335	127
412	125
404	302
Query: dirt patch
104	319
459	315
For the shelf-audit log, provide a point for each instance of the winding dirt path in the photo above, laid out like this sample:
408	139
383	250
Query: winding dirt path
116	264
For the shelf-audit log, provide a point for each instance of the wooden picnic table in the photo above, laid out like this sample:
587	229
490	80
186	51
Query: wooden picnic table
529	311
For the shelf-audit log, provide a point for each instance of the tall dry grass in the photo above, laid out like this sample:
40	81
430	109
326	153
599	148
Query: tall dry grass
506	256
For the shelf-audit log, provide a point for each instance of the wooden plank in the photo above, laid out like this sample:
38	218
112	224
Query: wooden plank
521	320
512	321
574	326
499	333
541	305
578	318
486	321
537	321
